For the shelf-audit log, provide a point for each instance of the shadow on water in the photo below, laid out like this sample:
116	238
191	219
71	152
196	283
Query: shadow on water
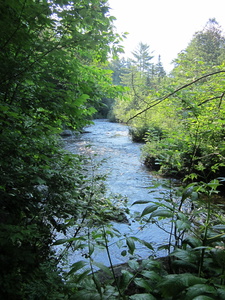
126	176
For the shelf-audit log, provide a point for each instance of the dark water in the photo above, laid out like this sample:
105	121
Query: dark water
126	176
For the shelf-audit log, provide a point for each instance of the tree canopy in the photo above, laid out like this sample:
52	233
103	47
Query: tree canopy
51	78
181	118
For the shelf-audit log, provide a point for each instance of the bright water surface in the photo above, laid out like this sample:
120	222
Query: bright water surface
126	176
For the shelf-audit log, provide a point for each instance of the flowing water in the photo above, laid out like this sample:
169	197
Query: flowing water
126	176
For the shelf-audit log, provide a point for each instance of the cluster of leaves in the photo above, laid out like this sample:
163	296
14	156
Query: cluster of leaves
181	118
194	267
50	77
140	76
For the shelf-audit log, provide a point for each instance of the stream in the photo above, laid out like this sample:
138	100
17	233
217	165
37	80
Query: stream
126	175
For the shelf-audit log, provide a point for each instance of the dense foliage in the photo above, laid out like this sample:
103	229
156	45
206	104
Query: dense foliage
181	116
51	77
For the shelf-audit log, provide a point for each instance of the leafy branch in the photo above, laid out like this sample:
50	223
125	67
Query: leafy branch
159	100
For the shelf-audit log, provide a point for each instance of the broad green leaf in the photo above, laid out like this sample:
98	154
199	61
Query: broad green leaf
152	275
77	266
143	283
79	277
187	192
192	241
133	264
185	265
148	245
143	242
186	255
200	290
164	213
125	278
182	225
130	244
172	285
149	209
102	267
194	196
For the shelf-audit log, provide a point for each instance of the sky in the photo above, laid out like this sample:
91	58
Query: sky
167	26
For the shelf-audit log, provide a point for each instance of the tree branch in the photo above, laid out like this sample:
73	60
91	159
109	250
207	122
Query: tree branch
159	100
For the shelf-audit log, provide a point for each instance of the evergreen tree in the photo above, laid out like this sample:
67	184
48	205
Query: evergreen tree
119	68
159	70
142	57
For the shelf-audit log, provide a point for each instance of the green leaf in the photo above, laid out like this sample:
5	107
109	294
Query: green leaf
202	297
143	242
102	267
77	266
86	295
91	248
130	244
125	278
219	227
141	202
221	292
79	277
188	192
192	241
149	209
133	264
182	225
185	255
153	276
172	285
60	242
194	196
143	283
142	297
200	290
164	213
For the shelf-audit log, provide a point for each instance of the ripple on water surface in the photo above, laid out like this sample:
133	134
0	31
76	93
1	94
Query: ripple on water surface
126	176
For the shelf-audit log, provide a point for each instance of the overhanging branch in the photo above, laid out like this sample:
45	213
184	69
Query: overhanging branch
159	100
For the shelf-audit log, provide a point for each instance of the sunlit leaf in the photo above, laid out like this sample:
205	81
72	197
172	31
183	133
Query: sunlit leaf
60	242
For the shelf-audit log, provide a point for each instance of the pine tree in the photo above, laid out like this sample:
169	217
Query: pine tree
143	57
